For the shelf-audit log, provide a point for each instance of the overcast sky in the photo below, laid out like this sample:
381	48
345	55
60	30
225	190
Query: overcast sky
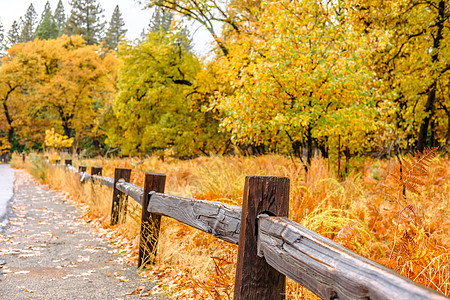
136	18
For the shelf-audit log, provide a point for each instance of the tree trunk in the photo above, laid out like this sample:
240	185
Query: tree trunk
323	150
296	147
429	106
9	120
339	158
347	160
309	145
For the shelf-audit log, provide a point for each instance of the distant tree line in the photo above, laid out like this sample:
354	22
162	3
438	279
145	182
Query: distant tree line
85	19
339	78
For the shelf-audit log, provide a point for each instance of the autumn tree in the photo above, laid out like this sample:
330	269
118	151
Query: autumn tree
86	20
300	80
116	29
410	42
16	71
59	83
29	25
157	105
76	83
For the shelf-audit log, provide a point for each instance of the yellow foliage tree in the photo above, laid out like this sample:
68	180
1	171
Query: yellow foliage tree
61	83
56	140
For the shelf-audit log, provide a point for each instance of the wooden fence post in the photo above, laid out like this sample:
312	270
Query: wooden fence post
68	162
118	202
255	279
82	169
96	171
150	223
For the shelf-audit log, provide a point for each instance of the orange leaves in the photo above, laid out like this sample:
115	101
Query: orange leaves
67	85
410	172
408	213
141	291
346	234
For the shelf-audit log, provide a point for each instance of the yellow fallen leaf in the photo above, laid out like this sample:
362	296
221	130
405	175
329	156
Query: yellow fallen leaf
30	291
147	294
138	290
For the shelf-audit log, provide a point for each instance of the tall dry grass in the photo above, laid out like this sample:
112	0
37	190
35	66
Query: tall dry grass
362	213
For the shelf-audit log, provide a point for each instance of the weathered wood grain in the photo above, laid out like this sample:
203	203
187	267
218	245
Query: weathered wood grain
255	279
119	202
324	267
150	222
96	170
134	191
215	218
108	181
328	269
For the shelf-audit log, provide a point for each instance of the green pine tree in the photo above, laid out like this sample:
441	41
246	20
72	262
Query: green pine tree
28	25
115	30
86	20
47	9
14	33
48	28
161	20
60	16
2	37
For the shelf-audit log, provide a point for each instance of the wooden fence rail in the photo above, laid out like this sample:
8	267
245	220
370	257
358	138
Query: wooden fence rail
270	245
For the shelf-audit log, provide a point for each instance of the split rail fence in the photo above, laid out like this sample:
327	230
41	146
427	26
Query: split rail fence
271	246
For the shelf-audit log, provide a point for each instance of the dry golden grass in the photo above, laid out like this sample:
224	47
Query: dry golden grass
363	213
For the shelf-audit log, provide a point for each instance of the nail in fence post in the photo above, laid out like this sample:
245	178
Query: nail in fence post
150	223
96	171
81	169
255	279
117	204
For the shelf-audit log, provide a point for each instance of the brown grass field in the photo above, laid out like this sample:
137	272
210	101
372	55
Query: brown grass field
397	215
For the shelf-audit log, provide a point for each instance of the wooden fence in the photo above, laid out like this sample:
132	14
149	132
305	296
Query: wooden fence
271	246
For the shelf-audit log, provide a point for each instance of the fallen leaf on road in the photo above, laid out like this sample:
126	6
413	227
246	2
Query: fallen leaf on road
30	291
146	294
83	258
138	290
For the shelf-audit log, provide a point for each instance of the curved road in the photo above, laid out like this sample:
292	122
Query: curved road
48	251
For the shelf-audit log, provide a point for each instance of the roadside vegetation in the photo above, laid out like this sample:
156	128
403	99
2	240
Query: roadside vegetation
400	223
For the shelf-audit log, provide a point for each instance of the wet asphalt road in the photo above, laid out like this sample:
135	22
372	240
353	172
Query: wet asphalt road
6	192
49	252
